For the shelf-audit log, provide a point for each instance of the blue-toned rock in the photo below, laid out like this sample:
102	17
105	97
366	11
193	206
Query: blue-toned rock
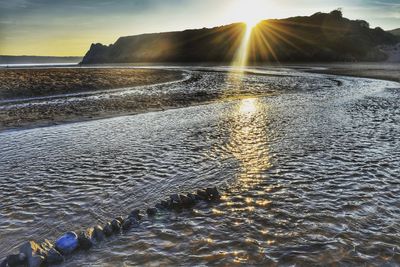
67	243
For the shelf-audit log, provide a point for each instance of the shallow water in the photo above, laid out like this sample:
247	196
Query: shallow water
310	176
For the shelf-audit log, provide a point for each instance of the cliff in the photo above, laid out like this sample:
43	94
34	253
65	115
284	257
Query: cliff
320	37
395	32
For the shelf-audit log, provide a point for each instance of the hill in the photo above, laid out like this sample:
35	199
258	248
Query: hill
320	37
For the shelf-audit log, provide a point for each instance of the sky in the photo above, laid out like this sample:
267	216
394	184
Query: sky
68	27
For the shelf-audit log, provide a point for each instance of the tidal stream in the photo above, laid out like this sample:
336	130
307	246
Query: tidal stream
309	170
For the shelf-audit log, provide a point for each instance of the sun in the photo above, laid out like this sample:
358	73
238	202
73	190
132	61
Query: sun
250	12
252	22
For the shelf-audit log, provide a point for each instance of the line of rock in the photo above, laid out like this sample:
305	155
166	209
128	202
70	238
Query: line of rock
32	254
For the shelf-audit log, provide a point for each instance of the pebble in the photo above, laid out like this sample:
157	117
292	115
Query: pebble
67	243
108	229
151	211
97	233
84	240
116	225
34	255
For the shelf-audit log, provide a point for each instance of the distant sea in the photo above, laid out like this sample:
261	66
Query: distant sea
28	61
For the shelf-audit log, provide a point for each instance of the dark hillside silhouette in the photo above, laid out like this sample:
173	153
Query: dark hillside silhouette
320	37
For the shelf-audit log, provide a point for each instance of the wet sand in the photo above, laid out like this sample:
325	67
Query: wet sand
41	97
27	83
381	71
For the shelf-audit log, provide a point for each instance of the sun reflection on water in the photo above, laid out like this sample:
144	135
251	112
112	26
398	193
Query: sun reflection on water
248	106
248	138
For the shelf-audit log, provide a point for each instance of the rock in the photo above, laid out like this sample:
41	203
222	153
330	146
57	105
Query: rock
116	225
67	243
120	219
54	257
201	194
108	229
97	233
135	214
33	252
159	206
175	199
151	211
213	193
51	255
186	202
166	204
193	197
84	240
127	224
16	260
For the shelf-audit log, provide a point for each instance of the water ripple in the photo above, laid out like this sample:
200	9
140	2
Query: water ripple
310	177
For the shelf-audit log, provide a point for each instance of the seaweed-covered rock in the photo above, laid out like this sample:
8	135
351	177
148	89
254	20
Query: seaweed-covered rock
16	260
67	243
85	242
108	229
33	252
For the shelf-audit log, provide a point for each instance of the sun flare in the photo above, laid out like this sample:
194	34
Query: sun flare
250	12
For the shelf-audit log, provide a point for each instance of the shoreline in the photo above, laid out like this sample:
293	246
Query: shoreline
110	115
378	71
